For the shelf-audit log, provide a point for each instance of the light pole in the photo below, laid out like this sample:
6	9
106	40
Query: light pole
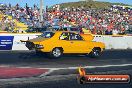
41	13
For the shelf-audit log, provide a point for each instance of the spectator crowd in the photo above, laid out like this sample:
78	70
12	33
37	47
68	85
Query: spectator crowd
115	20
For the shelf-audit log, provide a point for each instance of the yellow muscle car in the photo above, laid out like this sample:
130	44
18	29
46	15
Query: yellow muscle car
55	44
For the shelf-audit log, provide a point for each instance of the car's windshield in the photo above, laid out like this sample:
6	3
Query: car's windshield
47	34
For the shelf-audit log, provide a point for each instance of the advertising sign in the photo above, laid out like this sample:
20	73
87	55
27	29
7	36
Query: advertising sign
6	42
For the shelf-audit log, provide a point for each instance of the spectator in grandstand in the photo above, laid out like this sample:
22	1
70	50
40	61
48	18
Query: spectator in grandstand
115	20
115	32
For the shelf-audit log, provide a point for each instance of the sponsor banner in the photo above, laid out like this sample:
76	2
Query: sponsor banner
99	78
106	78
6	42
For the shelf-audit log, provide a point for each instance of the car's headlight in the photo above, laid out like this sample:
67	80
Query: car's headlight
39	46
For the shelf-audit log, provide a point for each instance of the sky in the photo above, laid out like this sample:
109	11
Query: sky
52	2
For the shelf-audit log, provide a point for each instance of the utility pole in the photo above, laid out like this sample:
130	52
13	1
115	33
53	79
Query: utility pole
41	13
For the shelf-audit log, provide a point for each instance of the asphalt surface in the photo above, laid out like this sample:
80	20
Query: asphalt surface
65	74
59	81
25	58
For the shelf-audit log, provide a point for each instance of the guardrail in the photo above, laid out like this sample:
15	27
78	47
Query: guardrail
11	41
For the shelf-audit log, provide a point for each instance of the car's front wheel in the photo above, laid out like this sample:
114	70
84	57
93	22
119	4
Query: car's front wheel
56	53
96	52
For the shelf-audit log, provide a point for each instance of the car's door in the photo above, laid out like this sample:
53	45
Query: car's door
65	43
78	44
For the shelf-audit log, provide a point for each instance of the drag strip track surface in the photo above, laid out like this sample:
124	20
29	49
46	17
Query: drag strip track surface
30	59
64	76
59	81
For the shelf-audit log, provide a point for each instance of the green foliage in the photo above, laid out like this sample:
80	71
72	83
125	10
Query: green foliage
89	4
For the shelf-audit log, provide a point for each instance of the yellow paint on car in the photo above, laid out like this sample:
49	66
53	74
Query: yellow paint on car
69	46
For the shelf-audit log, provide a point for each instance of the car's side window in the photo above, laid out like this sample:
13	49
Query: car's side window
74	36
64	36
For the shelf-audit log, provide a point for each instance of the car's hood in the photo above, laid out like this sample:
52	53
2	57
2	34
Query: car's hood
38	39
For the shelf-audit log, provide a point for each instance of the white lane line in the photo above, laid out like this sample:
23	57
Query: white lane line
121	65
24	67
103	66
106	66
4	66
46	73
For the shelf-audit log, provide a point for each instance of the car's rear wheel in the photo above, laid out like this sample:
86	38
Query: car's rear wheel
96	52
56	53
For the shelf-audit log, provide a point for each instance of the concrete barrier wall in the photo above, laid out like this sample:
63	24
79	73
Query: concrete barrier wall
115	42
12	41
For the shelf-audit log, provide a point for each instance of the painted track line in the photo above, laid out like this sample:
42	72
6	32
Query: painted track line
68	68
46	73
103	66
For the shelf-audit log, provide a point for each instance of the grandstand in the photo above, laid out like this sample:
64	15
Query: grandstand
18	25
95	17
8	20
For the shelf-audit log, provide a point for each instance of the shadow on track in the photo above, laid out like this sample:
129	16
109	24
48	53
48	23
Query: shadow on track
18	57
